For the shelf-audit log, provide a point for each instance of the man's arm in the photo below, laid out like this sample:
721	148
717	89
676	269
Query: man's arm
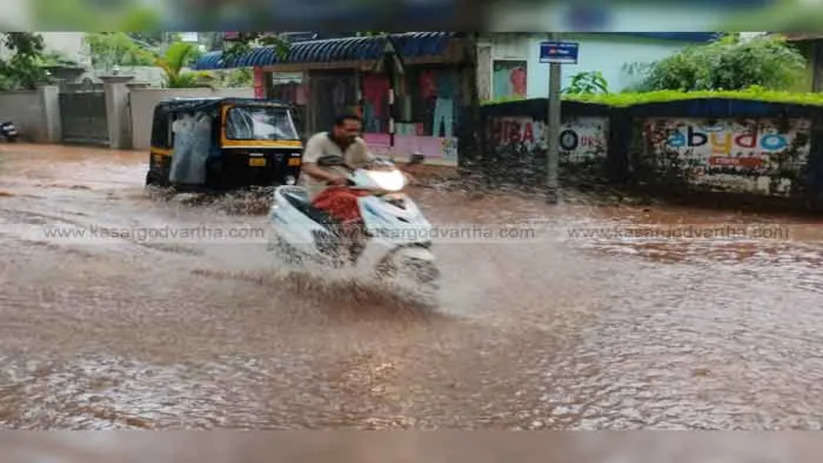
318	173
314	151
366	154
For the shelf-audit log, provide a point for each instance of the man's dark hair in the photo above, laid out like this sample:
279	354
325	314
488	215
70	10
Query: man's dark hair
341	119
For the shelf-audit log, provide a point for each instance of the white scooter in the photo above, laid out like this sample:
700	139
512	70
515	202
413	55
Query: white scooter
397	242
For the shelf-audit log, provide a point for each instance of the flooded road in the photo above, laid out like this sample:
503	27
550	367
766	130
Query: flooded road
594	332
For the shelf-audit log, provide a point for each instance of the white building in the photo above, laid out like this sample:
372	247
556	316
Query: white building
509	63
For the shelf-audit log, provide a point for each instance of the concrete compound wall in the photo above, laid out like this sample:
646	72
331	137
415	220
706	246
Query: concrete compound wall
143	101
718	145
35	113
746	147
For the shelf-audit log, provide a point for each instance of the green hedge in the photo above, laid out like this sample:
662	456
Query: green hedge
663	96
501	100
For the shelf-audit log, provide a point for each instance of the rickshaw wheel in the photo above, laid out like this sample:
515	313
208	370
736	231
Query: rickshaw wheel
150	179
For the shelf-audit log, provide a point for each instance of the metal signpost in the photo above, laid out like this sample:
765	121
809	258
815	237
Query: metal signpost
555	53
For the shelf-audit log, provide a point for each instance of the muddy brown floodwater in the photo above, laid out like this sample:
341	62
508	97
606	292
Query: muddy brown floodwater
542	333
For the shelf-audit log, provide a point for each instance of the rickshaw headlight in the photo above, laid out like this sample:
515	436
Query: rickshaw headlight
290	180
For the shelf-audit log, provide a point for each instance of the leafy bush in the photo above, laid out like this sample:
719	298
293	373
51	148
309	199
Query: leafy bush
237	78
57	58
587	83
728	64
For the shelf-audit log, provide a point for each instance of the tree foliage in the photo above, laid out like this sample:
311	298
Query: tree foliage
24	69
727	64
249	40
95	15
786	16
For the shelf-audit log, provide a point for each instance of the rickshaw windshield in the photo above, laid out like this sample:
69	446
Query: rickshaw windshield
260	123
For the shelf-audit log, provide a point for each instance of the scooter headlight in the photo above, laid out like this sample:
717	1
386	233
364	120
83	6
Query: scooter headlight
388	181
290	180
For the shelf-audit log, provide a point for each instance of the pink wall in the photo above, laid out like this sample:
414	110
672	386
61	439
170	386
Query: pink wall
431	147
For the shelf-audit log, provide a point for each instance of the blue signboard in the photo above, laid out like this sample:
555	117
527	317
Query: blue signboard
559	52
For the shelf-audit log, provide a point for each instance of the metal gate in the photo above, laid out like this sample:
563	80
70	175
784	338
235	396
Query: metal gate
83	116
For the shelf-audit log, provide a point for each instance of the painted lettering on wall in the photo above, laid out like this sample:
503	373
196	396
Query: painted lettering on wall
722	142
580	139
754	150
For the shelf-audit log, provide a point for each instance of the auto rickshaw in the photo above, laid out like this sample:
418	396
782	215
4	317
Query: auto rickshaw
223	143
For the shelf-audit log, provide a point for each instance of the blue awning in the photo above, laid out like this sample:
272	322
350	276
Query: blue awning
409	45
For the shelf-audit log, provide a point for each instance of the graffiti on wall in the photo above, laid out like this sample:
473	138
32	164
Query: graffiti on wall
448	148
581	139
751	155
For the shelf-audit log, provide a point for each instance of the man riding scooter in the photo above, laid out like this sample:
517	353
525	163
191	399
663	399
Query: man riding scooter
364	221
327	185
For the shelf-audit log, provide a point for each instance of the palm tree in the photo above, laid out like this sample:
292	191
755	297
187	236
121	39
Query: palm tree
178	56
